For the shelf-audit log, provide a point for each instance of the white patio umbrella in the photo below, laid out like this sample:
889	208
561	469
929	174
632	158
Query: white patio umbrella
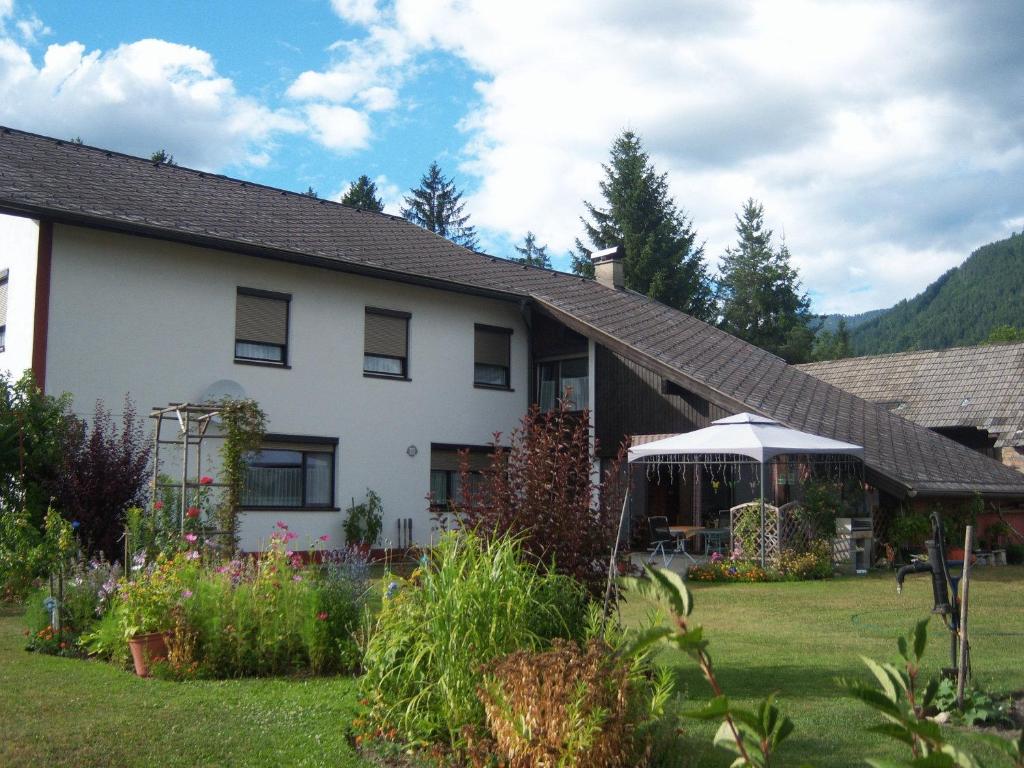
744	434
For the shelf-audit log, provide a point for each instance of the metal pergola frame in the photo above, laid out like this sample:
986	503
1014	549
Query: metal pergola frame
194	422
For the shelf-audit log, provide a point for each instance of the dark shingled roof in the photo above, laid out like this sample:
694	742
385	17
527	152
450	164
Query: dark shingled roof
77	184
980	387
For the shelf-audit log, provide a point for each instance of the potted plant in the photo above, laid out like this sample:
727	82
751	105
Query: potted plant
146	605
364	522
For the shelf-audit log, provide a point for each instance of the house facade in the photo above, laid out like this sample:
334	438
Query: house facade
376	349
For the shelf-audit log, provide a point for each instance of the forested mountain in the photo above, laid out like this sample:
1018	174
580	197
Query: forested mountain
961	308
830	323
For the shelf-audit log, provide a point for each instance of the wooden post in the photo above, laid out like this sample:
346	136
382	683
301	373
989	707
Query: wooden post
965	585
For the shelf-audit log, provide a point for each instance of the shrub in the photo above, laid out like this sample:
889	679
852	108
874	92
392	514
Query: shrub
470	603
1015	554
572	706
542	490
103	474
815	563
364	521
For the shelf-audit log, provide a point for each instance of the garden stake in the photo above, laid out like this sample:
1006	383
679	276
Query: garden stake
961	679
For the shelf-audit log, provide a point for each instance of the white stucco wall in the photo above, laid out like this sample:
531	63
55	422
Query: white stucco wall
156	320
19	240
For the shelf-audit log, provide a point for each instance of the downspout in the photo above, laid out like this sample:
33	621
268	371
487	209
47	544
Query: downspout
41	310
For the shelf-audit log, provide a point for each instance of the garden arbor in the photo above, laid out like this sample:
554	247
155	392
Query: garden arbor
745	439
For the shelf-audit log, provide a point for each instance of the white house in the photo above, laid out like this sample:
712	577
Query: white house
375	348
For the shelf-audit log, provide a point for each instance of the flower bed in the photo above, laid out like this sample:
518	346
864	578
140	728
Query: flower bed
266	615
814	563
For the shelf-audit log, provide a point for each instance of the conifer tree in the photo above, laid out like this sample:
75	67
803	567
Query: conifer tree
161	157
661	256
832	346
759	291
310	192
362	194
437	205
531	253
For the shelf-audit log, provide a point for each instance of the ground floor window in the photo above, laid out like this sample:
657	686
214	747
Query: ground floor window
445	471
564	378
291	475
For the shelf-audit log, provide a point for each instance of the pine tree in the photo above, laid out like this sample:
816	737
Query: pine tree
531	253
161	157
437	205
661	258
759	291
832	346
362	193
310	192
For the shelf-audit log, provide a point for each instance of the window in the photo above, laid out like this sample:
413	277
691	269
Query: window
291	475
445	475
564	378
261	326
386	344
491	353
3	309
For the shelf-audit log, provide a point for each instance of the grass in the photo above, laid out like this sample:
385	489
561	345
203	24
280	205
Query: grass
794	638
64	712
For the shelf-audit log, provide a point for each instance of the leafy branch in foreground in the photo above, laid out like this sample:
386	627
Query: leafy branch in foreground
901	700
753	735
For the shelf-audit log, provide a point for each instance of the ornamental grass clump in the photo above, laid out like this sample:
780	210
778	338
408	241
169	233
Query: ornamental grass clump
572	706
472	602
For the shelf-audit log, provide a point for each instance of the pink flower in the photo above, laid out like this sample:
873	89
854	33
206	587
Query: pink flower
296	577
193	512
191	537
291	536
186	593
322	616
158	505
193	555
288	553
282	525
325	537
206	480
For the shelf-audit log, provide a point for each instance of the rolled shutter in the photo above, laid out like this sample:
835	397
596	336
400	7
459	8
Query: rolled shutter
3	302
261	320
386	335
449	460
491	347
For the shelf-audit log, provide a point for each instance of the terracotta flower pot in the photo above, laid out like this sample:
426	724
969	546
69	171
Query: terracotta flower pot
146	649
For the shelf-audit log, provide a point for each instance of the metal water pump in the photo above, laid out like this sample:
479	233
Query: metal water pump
944	587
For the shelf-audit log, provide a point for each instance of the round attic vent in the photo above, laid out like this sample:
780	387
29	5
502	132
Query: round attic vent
221	389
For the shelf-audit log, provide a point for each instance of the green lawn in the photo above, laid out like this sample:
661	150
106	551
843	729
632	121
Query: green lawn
792	638
796	638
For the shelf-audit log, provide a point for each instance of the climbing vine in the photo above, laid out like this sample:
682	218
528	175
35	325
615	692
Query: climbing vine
244	424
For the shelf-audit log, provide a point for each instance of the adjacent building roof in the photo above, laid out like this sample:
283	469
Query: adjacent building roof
980	387
76	184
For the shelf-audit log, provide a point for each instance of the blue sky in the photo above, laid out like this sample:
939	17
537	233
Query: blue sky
885	139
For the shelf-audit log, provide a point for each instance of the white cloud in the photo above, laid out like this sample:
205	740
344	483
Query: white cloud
378	98
31	29
874	132
356	11
137	98
339	128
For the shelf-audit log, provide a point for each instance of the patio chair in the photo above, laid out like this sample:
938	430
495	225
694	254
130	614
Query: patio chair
660	536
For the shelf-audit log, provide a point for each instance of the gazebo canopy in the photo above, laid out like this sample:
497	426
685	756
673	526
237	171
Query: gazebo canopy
744	434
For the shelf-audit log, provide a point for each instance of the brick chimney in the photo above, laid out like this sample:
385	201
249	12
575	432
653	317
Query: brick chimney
608	267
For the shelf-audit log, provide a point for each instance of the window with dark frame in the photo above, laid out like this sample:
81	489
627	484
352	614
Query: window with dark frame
492	349
386	344
3	309
290	475
569	378
261	326
446	475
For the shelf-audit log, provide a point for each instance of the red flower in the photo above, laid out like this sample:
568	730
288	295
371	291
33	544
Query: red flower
206	480
193	512
158	505
322	616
